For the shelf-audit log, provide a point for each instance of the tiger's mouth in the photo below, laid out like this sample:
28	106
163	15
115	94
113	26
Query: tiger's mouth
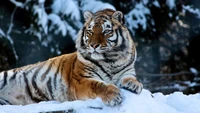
97	53
97	56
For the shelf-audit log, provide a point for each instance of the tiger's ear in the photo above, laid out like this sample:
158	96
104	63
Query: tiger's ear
118	15
87	15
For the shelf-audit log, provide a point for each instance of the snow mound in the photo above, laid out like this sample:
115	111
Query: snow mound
146	102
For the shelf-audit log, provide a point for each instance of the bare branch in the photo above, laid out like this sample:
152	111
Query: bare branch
2	33
11	23
17	4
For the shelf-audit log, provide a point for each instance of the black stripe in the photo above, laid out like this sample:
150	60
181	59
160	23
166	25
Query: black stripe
74	75
117	36
1	103
108	58
56	73
13	76
104	17
38	70
83	67
122	46
77	78
59	66
4	102
125	66
82	41
47	71
62	67
97	74
84	75
101	67
26	72
55	81
15	70
34	83
93	71
127	71
27	87
4	80
49	86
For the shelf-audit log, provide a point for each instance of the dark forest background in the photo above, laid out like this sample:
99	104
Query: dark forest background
166	34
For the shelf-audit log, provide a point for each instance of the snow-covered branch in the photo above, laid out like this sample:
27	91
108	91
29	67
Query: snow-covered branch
137	17
191	10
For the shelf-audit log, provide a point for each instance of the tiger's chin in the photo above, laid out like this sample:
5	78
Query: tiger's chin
97	56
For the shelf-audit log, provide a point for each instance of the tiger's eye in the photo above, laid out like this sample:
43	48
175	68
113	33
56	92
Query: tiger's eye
106	31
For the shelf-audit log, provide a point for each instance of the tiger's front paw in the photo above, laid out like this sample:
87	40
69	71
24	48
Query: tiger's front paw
112	96
131	84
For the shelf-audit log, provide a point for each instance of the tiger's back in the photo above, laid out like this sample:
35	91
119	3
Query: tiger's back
37	82
103	63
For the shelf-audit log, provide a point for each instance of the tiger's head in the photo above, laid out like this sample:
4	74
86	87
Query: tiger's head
104	36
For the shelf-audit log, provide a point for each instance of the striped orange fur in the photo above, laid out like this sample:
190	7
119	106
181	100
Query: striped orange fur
103	63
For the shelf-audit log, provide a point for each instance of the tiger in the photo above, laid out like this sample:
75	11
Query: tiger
102	65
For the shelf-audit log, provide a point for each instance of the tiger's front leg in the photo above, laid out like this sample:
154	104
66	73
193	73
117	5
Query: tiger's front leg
130	83
91	88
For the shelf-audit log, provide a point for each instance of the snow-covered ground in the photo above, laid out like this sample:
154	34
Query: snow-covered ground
146	102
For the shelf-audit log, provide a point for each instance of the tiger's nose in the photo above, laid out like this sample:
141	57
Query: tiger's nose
94	45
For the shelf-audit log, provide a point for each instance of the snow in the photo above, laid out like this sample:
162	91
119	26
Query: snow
146	102
156	3
194	71
184	103
170	15
145	2
41	1
171	4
